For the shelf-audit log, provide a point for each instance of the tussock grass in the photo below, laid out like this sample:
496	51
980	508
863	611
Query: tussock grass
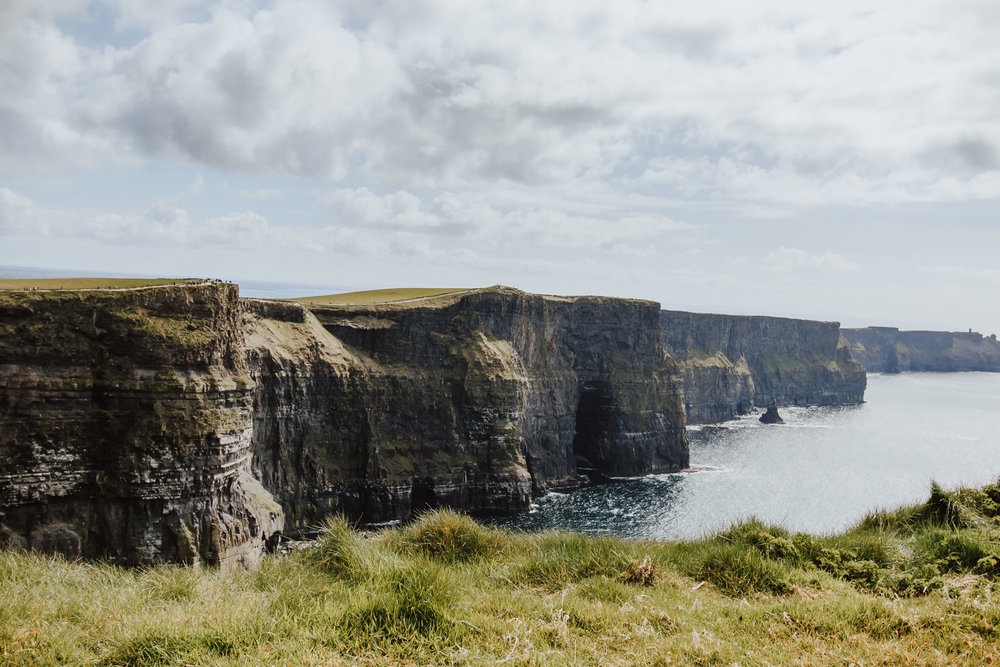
915	586
450	537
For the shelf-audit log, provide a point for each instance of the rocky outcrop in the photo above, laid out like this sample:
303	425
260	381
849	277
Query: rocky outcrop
125	427
771	415
732	363
889	350
182	424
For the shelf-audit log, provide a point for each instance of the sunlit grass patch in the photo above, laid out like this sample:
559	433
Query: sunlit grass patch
554	559
370	297
451	537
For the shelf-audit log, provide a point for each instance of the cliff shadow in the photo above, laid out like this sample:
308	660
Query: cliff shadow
596	426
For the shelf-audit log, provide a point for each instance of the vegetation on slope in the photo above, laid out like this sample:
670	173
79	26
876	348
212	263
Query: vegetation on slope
90	283
915	586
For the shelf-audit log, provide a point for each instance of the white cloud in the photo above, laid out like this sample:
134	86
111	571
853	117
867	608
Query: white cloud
770	102
538	225
785	259
978	273
18	214
159	224
362	207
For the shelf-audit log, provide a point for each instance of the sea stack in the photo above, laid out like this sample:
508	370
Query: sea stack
772	416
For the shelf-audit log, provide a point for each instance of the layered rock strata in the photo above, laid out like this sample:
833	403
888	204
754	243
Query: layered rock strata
889	350
731	364
125	427
496	395
181	424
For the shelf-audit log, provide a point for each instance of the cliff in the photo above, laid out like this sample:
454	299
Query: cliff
544	382
889	350
182	424
731	363
125	426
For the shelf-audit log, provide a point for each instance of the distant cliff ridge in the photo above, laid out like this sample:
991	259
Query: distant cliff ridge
731	363
889	350
183	424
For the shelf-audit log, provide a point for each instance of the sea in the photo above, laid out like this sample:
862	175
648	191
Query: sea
820	472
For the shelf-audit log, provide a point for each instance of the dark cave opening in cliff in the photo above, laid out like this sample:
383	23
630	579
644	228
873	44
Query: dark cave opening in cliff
595	425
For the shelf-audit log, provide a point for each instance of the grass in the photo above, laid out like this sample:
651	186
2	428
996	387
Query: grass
915	586
372	297
89	283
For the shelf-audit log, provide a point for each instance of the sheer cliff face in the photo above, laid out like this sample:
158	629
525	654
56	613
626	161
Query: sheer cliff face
488	398
889	350
181	424
125	426
733	363
338	431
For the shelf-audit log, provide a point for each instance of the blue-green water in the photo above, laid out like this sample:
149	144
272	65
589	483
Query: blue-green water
820	472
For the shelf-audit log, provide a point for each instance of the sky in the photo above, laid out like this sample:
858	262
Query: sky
835	161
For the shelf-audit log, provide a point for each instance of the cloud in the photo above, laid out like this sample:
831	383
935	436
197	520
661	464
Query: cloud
786	259
163	225
768	103
529	225
978	273
18	214
364	222
400	210
263	193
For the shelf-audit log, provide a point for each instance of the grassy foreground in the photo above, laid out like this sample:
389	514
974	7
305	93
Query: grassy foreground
915	586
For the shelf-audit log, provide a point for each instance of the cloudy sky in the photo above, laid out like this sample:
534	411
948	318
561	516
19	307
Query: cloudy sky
788	157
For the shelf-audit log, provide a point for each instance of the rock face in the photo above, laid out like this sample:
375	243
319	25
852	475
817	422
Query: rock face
771	416
497	395
732	363
889	350
182	424
125	427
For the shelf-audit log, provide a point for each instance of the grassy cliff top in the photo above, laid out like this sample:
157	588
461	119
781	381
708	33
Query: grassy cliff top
433	297
383	296
91	283
915	586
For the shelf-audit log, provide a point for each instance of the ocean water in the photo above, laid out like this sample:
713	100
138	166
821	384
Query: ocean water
820	472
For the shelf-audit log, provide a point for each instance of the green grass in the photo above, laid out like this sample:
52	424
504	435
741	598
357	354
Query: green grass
372	297
89	283
914	586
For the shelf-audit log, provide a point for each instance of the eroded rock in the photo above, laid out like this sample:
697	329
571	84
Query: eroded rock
771	416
